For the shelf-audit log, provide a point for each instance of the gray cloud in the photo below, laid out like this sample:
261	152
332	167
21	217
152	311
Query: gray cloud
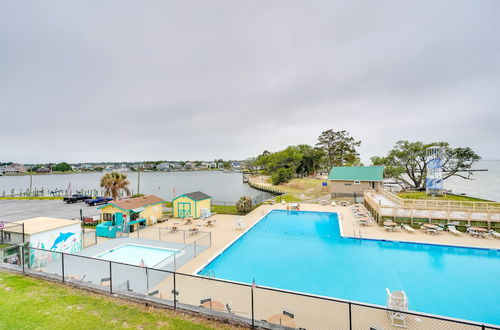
125	80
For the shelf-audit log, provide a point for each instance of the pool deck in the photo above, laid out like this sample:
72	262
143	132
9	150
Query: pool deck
224	232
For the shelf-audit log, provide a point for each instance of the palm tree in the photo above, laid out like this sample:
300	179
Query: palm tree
113	182
244	205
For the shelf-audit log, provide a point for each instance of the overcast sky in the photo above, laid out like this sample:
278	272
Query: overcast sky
173	80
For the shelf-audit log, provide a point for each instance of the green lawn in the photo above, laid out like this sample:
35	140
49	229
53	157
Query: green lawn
423	195
221	209
28	303
289	198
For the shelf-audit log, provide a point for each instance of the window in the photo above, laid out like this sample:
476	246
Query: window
357	182
107	216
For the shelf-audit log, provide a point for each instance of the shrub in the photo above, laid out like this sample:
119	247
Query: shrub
244	205
282	175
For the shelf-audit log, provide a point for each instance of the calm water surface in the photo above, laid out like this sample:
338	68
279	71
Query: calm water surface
220	185
228	186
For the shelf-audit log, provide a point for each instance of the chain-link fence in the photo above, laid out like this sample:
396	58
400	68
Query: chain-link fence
173	234
251	304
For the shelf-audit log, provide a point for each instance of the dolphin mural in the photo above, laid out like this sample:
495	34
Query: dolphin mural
63	237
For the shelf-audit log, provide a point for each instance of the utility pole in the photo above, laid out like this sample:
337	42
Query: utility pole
138	179
31	178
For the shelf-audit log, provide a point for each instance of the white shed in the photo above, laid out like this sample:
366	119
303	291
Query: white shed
49	233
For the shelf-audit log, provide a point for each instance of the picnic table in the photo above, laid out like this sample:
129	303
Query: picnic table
480	231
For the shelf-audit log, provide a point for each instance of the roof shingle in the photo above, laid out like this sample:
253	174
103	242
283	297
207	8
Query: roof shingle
357	173
197	195
133	203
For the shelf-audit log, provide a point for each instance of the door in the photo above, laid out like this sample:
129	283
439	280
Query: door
183	209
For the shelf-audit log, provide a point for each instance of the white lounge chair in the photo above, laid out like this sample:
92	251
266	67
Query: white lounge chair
432	231
453	230
397	302
408	228
494	234
240	223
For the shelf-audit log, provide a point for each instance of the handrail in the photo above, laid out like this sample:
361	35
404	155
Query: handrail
489	215
427	203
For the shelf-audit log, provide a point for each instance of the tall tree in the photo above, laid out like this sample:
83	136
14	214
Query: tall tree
62	167
339	148
407	163
311	160
113	183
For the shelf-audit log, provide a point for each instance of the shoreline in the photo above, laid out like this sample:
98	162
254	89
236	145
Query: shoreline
86	172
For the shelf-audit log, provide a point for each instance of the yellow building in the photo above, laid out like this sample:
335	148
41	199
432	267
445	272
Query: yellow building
191	205
149	208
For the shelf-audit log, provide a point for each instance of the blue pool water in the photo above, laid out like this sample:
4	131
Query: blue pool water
303	251
137	254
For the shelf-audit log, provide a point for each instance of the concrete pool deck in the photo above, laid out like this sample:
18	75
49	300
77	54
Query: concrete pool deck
225	232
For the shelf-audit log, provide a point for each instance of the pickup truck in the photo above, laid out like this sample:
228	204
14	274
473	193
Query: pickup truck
98	201
75	198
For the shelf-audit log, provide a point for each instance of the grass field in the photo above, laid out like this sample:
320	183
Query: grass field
423	195
28	303
227	209
289	198
296	189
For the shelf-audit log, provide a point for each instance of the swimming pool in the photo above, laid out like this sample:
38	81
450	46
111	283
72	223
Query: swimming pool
137	254
303	251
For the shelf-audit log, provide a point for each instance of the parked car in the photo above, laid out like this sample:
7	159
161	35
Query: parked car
75	198
98	201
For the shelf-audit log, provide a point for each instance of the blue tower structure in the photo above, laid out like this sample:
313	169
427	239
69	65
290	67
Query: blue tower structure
434	179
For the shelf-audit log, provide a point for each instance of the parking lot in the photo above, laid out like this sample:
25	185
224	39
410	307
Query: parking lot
14	210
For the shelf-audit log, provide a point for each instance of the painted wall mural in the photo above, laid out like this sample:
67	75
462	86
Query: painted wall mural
67	240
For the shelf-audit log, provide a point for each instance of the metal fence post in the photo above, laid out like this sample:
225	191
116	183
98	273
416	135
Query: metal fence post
22	258
110	279
210	237
253	315
159	234
350	317
175	294
23	234
62	266
184	235
194	248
